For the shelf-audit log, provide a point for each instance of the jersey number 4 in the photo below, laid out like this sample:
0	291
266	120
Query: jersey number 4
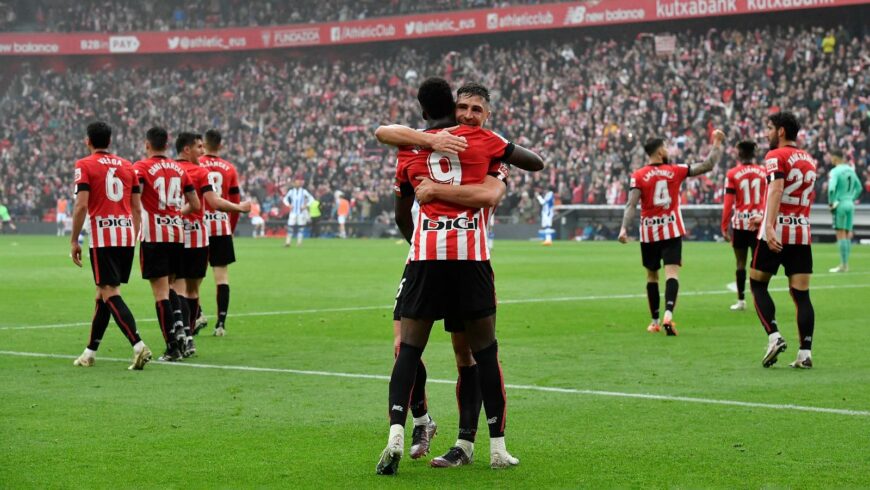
661	196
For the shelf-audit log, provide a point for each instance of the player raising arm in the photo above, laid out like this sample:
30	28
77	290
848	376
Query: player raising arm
657	187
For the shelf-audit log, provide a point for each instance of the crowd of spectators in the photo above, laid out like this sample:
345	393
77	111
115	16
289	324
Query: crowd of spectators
586	105
161	15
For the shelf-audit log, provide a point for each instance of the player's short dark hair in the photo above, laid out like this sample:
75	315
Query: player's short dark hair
100	134
787	121
157	137
213	138
471	89
746	151
652	145
436	98
185	138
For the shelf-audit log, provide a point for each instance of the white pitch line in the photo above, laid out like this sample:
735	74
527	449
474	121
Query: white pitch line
386	307
546	389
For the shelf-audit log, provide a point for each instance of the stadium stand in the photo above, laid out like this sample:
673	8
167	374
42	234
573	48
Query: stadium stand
158	15
585	103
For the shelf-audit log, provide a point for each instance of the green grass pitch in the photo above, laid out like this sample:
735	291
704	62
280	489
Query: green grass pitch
572	316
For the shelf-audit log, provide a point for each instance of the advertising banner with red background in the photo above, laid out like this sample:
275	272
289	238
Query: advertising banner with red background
456	23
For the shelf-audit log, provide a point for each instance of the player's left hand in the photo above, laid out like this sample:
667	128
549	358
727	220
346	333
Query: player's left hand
755	222
444	142
726	234
833	206
718	137
75	250
425	191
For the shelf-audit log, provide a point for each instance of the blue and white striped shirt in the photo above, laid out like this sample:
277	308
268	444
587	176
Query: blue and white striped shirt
297	200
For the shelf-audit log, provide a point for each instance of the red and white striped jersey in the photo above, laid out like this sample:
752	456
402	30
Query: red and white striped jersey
798	168
747	182
110	181
195	232
659	186
224	180
163	183
442	230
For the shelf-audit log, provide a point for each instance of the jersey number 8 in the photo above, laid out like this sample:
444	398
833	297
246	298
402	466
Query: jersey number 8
217	181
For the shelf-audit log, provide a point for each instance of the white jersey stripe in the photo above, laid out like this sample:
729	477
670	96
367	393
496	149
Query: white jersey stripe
462	245
441	245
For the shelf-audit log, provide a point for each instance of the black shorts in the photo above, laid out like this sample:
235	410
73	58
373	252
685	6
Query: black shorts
449	324
669	251
795	259
456	289
741	239
221	251
111	265
160	259
194	263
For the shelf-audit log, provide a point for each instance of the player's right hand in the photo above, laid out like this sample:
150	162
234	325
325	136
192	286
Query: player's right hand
75	250
425	190
623	236
772	243
445	142
718	137
246	206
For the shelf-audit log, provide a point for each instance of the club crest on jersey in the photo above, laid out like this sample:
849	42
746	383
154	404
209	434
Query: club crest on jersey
114	222
460	223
